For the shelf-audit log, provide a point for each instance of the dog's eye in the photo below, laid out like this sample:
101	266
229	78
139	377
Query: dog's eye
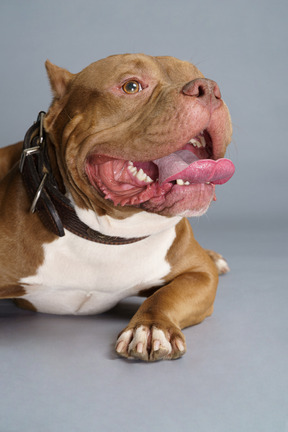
131	87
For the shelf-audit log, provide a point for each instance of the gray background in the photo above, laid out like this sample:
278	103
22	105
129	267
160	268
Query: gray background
60	373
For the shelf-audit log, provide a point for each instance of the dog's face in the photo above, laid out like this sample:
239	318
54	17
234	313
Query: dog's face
139	132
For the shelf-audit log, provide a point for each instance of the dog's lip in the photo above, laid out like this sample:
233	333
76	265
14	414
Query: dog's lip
128	182
215	149
106	156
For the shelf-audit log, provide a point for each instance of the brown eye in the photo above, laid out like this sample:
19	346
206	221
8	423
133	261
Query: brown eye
131	87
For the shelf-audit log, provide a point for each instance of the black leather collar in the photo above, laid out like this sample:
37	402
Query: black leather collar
54	209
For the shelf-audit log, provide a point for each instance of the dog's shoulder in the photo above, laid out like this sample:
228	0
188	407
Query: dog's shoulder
8	157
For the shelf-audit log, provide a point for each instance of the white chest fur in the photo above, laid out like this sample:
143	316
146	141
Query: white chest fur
82	277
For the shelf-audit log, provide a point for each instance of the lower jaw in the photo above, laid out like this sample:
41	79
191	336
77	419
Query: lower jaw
176	200
188	201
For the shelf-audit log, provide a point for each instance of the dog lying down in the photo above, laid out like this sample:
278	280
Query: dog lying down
94	201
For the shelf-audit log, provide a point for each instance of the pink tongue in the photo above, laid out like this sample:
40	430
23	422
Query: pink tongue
185	165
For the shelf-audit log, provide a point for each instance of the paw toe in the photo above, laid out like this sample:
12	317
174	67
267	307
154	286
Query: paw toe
123	342
222	265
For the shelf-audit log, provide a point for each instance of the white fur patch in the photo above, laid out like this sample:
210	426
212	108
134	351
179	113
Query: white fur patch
82	277
123	341
138	225
159	340
140	340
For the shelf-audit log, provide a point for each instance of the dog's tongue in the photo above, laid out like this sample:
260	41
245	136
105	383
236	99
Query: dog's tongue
185	165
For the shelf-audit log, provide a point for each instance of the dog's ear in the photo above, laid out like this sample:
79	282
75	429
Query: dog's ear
59	79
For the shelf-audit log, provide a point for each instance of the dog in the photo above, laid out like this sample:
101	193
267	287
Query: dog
94	202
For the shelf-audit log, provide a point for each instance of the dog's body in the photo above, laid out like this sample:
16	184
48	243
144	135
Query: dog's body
117	136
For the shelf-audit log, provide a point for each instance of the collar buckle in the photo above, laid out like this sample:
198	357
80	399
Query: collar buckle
35	149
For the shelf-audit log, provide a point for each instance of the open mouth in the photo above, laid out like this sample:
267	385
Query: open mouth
179	174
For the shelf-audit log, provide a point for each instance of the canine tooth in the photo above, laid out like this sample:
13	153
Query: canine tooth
193	141
180	182
148	179
186	183
203	142
130	163
198	144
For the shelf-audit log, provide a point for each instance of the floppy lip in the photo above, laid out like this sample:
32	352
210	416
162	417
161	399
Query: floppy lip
134	182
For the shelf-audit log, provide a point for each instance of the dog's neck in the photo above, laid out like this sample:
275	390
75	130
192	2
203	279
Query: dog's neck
138	224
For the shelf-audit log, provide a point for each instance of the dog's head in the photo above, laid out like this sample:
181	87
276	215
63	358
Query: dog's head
136	132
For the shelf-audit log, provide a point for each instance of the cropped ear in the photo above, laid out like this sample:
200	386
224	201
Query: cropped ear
59	79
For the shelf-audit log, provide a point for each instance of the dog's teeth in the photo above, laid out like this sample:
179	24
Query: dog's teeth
130	163
144	177
132	169
181	182
141	175
194	142
198	144
203	142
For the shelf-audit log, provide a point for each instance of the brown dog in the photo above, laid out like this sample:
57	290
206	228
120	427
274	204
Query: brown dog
96	212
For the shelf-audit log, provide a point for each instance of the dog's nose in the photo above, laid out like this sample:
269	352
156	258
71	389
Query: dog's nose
205	90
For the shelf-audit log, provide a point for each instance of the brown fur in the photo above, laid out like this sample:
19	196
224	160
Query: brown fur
9	156
21	235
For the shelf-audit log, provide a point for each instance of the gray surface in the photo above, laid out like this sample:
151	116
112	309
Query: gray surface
60	373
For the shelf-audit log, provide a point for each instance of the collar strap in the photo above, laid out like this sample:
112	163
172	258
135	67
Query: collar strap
54	208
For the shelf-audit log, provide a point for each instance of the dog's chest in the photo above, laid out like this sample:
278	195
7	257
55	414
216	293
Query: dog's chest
82	277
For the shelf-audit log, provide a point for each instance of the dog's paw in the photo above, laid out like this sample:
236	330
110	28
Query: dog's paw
219	261
151	343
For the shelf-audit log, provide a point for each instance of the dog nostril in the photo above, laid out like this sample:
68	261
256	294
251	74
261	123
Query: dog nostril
201	91
197	88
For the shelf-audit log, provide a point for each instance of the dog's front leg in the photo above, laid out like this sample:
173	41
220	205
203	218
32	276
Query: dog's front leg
154	333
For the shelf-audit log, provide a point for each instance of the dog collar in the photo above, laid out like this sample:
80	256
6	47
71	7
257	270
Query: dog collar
53	208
